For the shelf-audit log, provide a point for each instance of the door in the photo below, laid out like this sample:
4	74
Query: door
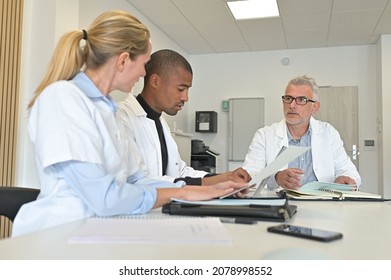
246	116
339	107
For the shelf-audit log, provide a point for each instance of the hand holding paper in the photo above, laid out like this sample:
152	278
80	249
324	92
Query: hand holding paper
285	156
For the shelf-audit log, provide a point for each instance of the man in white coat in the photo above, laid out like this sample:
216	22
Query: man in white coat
166	85
326	161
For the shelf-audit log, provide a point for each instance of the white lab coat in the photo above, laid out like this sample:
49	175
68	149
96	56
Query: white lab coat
329	157
64	125
143	131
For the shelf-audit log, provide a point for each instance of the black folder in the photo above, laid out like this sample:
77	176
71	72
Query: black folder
255	212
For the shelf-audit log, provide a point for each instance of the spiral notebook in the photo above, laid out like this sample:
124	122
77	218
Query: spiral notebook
151	229
326	190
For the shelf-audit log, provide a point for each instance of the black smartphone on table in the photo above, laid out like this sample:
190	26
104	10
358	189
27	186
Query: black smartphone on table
306	232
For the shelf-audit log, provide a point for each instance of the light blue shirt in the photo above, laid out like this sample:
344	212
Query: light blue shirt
84	83
91	182
303	162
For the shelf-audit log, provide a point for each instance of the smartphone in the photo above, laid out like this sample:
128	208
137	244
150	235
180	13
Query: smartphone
305	232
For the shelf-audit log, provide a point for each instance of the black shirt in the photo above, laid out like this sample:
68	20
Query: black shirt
151	114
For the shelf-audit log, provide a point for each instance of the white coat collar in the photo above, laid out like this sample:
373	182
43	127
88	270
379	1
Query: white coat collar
131	102
281	131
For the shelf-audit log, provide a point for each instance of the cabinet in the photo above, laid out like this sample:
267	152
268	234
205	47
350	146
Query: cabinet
246	116
183	141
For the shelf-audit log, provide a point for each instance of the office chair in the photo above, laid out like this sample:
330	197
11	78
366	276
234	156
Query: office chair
12	198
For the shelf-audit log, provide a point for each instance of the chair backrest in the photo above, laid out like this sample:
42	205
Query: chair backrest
12	198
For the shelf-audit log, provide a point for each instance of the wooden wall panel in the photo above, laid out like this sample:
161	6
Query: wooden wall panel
11	19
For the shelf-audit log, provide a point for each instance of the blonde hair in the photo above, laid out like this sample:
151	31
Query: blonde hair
110	34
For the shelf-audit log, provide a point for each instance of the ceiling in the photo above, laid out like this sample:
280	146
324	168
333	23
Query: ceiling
207	26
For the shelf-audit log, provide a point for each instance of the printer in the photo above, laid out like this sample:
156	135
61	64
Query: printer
202	157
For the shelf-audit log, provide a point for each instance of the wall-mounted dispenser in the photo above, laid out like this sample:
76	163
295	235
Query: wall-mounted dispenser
206	121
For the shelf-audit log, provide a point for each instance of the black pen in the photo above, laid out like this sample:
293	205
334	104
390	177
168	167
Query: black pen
247	221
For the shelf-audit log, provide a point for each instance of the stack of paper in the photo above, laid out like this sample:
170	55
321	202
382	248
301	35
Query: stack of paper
151	229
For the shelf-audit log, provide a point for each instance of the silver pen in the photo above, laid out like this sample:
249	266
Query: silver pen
229	220
341	195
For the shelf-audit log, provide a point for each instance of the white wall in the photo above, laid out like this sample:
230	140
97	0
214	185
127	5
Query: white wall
222	76
43	23
384	119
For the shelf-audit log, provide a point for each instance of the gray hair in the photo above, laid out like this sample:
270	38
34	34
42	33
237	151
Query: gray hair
305	81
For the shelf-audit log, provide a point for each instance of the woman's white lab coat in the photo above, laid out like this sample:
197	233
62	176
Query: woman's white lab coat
144	133
65	124
329	157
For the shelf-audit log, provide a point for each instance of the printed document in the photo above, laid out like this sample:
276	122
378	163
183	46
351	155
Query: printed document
151	229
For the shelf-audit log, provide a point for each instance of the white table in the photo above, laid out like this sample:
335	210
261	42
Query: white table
366	228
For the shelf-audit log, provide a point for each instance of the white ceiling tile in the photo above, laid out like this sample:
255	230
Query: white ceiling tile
349	36
302	7
353	5
356	18
306	39
159	17
207	26
384	23
266	41
306	22
260	25
150	4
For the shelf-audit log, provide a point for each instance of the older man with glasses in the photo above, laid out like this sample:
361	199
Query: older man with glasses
326	161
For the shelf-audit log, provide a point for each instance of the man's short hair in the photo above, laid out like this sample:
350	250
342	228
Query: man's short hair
164	61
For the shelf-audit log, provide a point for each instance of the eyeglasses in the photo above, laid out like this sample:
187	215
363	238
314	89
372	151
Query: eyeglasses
300	100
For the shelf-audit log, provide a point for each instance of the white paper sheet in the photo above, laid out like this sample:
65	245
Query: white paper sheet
151	229
285	156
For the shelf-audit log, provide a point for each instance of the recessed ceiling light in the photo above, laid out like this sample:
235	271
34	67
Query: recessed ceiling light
250	9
